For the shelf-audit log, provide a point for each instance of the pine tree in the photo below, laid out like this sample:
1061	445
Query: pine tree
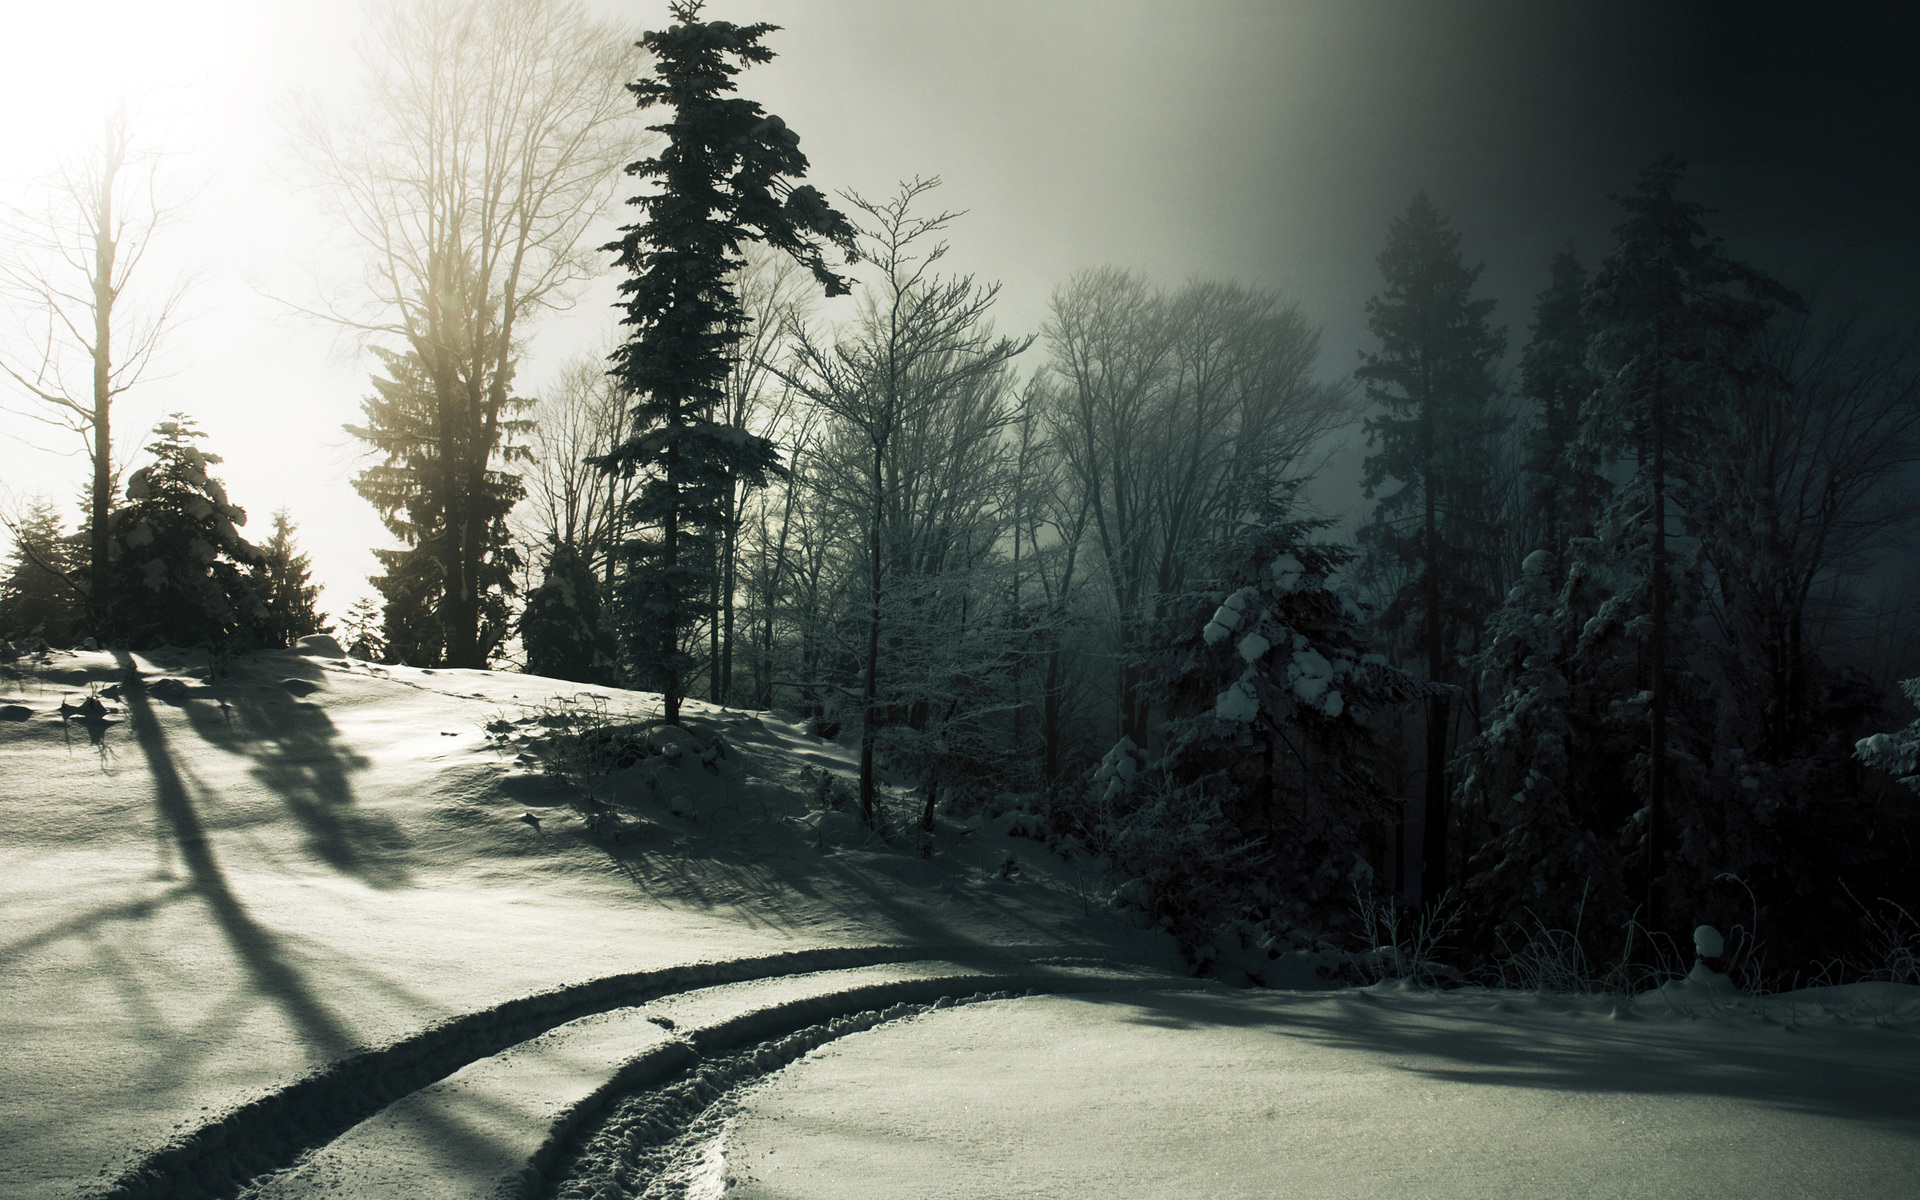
560	629
725	177
181	571
39	595
361	626
1674	323
451	516
1563	492
1434	376
282	580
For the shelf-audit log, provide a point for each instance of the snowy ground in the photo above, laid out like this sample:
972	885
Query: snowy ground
1366	1094
219	885
222	893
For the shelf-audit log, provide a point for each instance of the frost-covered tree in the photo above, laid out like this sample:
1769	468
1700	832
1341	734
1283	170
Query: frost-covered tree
1538	791
916	390
95	329
1435	441
1898	754
181	571
283	579
489	142
1170	412
360	630
725	176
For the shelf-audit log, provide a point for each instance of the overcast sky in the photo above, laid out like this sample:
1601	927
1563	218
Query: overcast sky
1264	140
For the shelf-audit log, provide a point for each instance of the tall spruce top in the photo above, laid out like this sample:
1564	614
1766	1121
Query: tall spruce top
725	177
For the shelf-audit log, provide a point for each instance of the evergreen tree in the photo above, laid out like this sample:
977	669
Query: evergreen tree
560	629
1674	328
1563	491
724	177
361	626
282	579
1435	530
451	515
1539	786
39	595
1264	803
181	572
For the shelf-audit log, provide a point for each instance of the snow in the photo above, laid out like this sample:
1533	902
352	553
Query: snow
1237	703
240	883
1287	572
1381	1093
1253	647
1228	616
224	885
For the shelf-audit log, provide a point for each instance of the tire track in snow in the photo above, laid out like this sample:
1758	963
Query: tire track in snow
216	1159
666	1142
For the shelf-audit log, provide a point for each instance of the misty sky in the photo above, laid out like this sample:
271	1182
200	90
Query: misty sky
1264	140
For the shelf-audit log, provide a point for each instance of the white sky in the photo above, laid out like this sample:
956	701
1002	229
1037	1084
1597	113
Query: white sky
1264	140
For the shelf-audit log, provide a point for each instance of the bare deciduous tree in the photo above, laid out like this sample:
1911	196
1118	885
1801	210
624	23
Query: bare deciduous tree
1174	415
490	141
921	344
82	341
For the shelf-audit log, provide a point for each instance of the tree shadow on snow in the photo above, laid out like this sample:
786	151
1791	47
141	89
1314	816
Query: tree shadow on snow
297	755
258	948
1520	1042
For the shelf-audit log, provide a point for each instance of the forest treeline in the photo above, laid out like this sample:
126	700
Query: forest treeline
1605	655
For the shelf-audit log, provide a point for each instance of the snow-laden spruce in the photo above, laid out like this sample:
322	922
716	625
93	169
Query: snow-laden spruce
1260	805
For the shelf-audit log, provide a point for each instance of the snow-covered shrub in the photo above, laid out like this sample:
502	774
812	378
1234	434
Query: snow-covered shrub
180	571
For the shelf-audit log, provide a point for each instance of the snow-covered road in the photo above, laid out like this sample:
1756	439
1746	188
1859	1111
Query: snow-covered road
1372	1094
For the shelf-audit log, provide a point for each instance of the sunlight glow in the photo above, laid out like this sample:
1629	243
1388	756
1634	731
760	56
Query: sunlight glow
175	64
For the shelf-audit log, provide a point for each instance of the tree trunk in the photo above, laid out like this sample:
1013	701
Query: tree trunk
729	549
1657	710
869	688
104	251
1433	841
669	633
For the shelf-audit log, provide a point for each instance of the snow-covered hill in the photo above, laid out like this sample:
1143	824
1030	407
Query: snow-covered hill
216	886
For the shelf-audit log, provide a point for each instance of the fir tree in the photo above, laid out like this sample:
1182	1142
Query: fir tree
1674	323
361	626
39	595
1265	798
560	629
724	177
1563	490
1434	531
450	513
181	571
282	579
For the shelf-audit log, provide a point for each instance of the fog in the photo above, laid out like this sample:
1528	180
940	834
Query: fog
1264	141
